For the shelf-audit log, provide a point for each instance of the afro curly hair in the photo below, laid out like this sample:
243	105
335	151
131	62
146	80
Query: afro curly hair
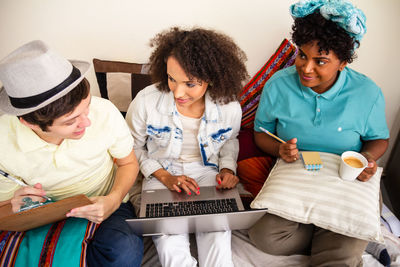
203	54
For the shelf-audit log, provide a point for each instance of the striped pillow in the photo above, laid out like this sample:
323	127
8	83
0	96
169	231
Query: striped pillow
323	199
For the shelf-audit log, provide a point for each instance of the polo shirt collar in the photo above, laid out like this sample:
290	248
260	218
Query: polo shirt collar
27	139
331	93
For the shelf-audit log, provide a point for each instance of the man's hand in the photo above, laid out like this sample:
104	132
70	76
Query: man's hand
35	193
101	209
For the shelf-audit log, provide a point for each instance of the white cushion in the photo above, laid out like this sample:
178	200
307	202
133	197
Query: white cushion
119	89
323	198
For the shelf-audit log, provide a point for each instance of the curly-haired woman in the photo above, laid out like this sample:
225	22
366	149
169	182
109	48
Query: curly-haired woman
320	105
185	128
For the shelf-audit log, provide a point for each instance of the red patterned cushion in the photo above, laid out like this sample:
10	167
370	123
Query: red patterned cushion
283	57
253	164
253	172
247	146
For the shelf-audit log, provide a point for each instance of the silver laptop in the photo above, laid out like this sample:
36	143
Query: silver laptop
165	212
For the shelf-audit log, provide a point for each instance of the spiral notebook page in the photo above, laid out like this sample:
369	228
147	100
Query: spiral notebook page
311	160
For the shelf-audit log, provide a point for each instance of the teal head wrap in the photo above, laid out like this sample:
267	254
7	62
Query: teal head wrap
342	12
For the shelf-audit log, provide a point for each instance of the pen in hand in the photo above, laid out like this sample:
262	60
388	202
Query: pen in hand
280	140
17	181
272	135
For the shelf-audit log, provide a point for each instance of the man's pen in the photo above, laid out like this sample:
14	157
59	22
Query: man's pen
15	180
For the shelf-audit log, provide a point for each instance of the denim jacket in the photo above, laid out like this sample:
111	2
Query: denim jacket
157	131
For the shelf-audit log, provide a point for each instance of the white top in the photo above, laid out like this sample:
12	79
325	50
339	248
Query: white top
190	145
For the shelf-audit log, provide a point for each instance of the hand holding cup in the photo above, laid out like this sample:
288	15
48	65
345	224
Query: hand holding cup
351	165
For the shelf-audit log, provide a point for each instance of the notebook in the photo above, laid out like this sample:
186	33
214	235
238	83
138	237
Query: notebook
311	160
215	210
32	218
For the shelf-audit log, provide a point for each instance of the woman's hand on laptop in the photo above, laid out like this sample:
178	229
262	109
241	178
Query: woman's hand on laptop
226	179
177	182
185	183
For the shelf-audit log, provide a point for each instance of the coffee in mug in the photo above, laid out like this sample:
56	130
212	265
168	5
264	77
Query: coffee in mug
353	162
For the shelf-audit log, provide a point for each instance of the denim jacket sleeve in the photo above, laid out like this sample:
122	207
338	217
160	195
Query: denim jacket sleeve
230	150
136	119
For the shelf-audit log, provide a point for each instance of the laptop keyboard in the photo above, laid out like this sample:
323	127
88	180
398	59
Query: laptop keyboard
191	208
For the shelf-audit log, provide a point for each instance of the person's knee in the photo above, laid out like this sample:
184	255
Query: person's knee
278	236
261	238
127	245
334	259
214	248
331	249
174	250
115	248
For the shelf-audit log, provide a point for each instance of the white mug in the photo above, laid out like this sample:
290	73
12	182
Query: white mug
351	165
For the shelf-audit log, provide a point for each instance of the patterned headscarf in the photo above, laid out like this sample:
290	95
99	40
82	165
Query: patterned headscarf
342	12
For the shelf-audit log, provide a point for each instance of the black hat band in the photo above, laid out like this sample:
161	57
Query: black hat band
33	101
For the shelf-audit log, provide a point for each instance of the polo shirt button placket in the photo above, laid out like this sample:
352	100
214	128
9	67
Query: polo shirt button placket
317	119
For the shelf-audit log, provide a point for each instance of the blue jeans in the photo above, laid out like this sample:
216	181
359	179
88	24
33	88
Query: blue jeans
114	243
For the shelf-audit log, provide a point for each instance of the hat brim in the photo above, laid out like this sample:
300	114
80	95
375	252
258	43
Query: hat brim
5	104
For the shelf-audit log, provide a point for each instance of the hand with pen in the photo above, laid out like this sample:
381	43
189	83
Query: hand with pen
287	149
35	193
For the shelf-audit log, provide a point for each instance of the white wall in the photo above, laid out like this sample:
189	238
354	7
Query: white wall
121	30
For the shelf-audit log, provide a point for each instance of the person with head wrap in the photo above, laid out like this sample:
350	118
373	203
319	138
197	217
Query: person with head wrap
320	104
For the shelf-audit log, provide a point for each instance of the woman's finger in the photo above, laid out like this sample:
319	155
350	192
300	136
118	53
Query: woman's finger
186	189
192	182
176	188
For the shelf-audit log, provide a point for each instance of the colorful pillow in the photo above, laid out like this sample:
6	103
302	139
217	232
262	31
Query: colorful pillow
253	172
41	246
247	146
283	57
253	164
323	199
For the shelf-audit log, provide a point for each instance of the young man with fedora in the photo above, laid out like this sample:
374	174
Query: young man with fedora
62	142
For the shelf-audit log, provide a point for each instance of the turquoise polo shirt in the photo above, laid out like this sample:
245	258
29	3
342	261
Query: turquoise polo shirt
352	111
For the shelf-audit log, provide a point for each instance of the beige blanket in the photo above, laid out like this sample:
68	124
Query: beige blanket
246	255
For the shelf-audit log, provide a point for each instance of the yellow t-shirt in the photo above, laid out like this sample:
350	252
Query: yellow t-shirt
83	166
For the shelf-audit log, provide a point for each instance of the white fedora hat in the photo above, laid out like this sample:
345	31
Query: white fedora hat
34	75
